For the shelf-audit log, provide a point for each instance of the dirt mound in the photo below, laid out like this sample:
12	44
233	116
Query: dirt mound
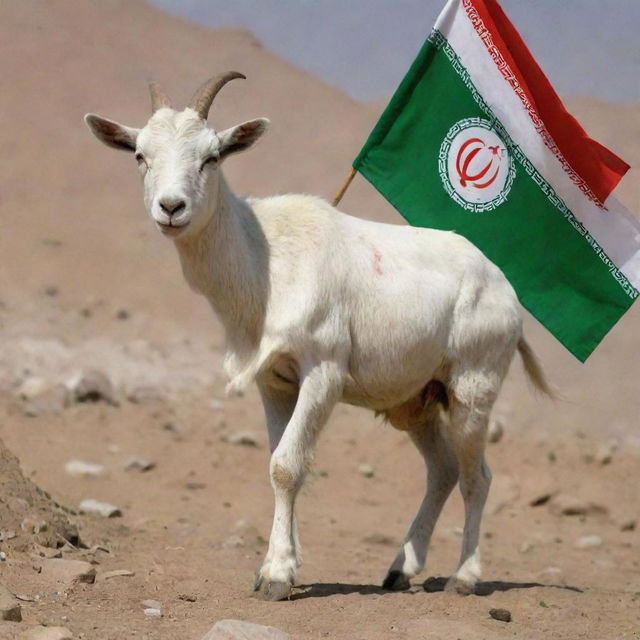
27	513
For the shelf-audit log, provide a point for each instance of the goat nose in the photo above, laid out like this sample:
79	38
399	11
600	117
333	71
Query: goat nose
171	206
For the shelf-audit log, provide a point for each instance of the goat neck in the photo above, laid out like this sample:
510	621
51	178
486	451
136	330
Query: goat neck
227	261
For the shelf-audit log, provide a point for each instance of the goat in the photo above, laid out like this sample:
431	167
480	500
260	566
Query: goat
320	307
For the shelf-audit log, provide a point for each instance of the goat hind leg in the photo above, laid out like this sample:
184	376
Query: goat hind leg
468	435
442	475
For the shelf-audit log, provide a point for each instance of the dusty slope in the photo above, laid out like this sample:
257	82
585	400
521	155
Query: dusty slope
76	248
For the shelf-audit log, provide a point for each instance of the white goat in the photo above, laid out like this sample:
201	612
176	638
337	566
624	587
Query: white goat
321	307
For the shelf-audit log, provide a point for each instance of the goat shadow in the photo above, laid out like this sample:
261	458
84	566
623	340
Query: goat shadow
430	585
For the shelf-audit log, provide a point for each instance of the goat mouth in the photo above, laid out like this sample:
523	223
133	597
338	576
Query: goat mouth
171	229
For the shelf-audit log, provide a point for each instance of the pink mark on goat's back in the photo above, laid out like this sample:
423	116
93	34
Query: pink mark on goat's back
377	262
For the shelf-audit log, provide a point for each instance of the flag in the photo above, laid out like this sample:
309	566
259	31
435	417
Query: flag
475	140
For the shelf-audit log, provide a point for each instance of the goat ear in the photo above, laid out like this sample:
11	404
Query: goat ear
242	136
111	133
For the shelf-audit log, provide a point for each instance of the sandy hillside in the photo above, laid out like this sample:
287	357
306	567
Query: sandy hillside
87	283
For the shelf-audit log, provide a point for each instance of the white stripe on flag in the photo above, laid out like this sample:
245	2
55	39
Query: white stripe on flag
615	229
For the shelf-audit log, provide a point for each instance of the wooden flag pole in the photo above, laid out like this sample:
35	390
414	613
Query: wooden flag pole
344	187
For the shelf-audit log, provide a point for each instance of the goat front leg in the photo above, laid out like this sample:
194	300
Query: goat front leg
320	387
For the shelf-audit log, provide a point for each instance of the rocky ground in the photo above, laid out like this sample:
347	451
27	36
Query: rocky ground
143	426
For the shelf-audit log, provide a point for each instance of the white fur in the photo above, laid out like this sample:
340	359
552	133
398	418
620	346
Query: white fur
321	307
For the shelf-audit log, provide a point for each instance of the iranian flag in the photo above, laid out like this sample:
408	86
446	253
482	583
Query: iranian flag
476	140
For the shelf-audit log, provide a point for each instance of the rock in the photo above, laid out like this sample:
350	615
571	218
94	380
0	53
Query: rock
46	633
242	630
243	438
135	463
495	430
552	576
3	556
116	573
69	571
41	397
187	597
629	525
504	615
564	505
78	468
10	609
101	508
33	525
605	451
145	395
93	386
588	542
366	470
543	497
151	604
153	613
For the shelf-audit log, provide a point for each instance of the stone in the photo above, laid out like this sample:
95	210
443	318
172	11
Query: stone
3	556
135	463
605	452
46	633
495	430
79	468
366	470
145	395
565	505
104	509
588	542
10	609
153	613
151	604
68	571
93	386
41	397
242	630
504	615
187	597
116	573
242	438
629	525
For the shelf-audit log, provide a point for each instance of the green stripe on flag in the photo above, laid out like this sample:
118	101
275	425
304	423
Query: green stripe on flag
560	273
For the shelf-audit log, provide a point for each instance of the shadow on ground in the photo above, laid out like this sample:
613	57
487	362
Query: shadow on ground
430	585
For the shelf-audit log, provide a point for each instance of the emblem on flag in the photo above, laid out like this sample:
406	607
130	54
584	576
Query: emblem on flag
475	166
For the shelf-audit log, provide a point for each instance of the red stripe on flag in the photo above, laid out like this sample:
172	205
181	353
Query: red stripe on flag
592	167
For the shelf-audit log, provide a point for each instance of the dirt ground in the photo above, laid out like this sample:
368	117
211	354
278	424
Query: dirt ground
86	283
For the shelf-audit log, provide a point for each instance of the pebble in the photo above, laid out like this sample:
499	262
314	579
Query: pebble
504	615
153	613
138	464
101	508
588	542
242	438
565	505
366	470
187	597
41	397
116	573
3	556
242	630
629	525
605	451
79	468
93	386
10	609
495	431
68	571
145	395
46	633
151	604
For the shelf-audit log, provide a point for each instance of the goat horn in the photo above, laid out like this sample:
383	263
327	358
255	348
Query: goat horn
159	98
203	97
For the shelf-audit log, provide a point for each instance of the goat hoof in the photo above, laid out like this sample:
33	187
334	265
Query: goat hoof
274	591
456	585
396	581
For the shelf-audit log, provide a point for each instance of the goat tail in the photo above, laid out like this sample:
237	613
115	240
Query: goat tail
534	369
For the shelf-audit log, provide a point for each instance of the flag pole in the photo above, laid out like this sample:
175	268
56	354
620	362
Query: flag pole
344	187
